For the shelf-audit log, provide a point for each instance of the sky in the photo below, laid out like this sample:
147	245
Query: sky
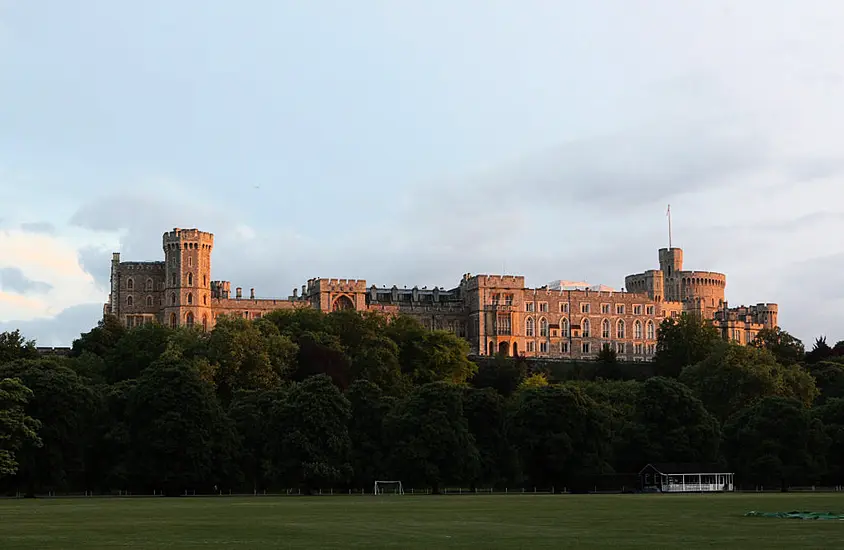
409	143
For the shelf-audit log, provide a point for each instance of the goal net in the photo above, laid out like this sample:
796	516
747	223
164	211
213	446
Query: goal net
388	488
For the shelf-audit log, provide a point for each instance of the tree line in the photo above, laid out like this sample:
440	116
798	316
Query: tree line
307	400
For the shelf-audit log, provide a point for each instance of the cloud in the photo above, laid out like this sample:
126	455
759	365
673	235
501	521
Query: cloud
61	329
39	227
13	279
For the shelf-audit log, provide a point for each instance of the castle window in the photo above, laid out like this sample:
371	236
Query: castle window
564	347
564	307
174	280
637	310
649	310
189	319
605	328
204	323
190	298
204	300
621	348
149	285
619	309
585	347
531	346
585	308
543	347
129	300
508	299
619	333
174	321
173	299
605	309
204	281
543	306
651	349
190	279
651	332
564	327
149	301
637	330
586	327
130	284
529	306
529	327
190	261
543	326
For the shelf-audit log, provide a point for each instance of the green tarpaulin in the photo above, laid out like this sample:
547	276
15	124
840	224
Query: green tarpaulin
797	515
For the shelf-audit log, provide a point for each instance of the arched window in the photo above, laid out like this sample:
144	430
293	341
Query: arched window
620	329
130	301
651	332
149	301
189	319
204	300
543	327
204	323
173	299
190	279
130	284
174	321
529	325
586	326
605	329
149	284
190	298
564	327
173	280
204	281
637	330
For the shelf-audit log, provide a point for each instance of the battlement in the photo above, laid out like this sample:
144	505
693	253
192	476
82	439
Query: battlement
494	281
141	266
343	285
701	278
178	235
220	289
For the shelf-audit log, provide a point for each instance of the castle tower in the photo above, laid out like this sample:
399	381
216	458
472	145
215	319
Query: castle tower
670	260
187	285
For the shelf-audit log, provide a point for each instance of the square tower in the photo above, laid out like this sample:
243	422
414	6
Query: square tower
187	284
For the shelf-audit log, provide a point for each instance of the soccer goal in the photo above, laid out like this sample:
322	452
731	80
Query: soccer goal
388	488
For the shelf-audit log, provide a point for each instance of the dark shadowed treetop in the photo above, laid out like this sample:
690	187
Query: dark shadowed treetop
683	342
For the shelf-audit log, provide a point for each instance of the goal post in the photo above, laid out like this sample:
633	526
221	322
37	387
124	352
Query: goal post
389	488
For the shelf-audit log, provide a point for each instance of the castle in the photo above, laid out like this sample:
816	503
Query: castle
494	313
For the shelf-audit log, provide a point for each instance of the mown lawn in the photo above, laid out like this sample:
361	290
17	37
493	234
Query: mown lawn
530	521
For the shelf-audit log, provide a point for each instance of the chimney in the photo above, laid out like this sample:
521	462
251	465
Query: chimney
303	291
239	292
295	293
251	293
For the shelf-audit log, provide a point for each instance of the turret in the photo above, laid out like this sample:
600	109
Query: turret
187	285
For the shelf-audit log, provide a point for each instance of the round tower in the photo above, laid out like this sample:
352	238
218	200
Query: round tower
187	285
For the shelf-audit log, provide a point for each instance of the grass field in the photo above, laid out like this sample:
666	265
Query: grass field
531	521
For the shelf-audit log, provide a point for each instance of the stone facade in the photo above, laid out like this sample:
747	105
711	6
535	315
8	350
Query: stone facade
494	313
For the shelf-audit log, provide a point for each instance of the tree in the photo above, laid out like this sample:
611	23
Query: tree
787	349
134	351
831	415
561	434
429	437
430	356
607	355
538	380
683	342
369	409
502	373
734	377
829	377
181	437
67	407
14	346
16	427
820	351
101	339
670	425
310	435
775	442
486	415
251	412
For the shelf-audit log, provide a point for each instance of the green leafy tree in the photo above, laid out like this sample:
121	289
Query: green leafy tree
14	346
310	434
502	373
776	441
831	415
486	414
670	424
682	342
101	339
430	440
135	350
787	349
181	437
67	407
376	359
16	427
820	351
430	356
538	380
369	409
560	434
734	377
251	412
829	377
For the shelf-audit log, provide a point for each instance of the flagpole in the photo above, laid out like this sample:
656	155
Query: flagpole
668	213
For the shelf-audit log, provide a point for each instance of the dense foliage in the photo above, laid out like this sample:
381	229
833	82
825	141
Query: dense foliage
312	401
